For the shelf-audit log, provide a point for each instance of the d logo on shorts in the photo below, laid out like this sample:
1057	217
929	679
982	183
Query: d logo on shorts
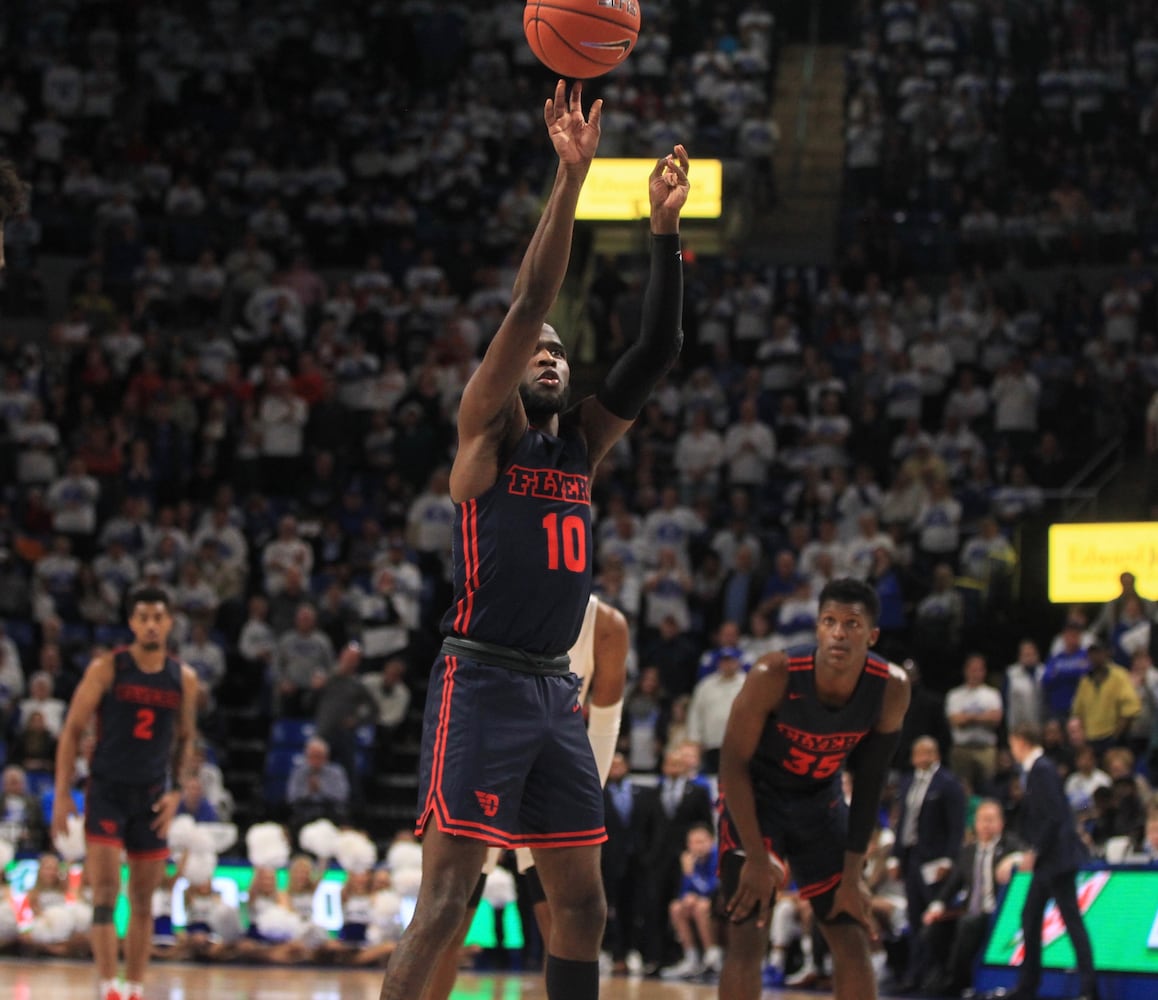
488	802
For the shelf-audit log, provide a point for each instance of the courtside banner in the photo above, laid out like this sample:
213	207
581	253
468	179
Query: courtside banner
616	190
1120	911
1086	560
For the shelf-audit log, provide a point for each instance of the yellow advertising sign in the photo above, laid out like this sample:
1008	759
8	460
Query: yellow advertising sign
1086	560
616	189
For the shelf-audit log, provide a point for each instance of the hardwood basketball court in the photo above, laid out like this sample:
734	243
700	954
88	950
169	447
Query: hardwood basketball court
52	980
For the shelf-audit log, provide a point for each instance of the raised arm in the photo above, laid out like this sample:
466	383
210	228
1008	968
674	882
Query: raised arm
491	409
98	678
605	417
760	697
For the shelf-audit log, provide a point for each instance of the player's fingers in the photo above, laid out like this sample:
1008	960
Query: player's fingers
549	111
596	115
678	169
682	155
576	96
762	913
660	166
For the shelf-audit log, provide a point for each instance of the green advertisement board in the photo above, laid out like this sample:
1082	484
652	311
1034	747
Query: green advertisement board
232	882
1120	910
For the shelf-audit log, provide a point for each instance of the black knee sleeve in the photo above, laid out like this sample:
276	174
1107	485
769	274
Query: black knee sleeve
102	914
534	886
570	980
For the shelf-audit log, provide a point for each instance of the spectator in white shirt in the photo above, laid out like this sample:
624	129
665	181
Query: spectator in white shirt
862	547
286	550
827	542
388	689
749	448
282	417
711	703
699	454
974	711
1024	697
73	502
1015	393
207	658
40	699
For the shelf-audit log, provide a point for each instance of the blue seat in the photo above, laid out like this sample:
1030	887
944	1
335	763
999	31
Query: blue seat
364	737
39	782
112	635
290	733
279	763
75	634
21	633
49	796
273	790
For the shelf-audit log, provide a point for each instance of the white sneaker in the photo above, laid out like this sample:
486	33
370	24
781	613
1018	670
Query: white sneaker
687	968
713	959
605	963
806	974
634	963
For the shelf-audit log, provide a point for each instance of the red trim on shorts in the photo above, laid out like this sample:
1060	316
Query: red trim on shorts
96	838
498	838
473	560
152	854
434	792
819	888
800	663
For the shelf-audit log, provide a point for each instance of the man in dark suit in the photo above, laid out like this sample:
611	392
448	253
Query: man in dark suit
930	832
1055	854
683	802
956	922
631	815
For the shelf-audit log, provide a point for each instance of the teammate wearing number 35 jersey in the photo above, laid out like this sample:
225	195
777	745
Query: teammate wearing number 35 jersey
802	716
145	707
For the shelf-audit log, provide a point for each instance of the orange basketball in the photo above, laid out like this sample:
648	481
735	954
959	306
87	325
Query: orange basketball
580	39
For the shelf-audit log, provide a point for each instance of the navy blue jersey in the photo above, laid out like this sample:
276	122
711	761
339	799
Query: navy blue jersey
522	550
805	743
136	722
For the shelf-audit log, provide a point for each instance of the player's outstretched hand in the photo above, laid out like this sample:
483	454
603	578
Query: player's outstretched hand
668	185
574	137
853	898
164	809
759	879
62	807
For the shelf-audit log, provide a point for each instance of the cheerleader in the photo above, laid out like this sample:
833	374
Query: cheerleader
386	921
51	926
301	885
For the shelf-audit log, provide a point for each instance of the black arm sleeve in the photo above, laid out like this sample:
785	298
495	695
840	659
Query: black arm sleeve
640	367
869	764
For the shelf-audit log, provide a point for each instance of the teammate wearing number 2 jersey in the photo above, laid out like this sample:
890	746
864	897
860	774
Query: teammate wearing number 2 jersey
802	716
145	704
505	758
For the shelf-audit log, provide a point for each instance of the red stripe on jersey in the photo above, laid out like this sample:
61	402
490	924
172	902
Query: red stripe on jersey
472	580
465	599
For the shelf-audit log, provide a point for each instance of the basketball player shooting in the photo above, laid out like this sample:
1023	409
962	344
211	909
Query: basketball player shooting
599	660
145	703
505	759
799	716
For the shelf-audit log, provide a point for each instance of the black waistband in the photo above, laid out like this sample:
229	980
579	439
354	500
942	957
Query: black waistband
505	656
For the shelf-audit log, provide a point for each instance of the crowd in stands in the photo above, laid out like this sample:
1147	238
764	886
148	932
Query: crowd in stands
1021	132
295	232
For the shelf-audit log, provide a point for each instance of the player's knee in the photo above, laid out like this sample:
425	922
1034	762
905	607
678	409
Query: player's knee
584	906
102	914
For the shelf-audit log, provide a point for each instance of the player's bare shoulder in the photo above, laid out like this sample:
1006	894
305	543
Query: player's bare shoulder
768	679
898	692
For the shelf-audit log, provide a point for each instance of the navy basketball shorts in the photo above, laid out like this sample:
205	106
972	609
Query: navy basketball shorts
506	759
122	815
806	829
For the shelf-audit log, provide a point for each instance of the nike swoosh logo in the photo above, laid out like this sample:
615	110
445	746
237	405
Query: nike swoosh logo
623	45
795	697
